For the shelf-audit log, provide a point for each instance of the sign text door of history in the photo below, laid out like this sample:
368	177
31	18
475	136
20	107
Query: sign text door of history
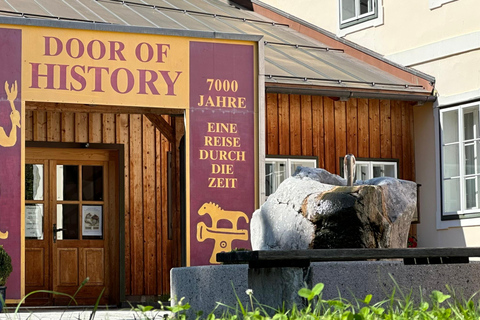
95	78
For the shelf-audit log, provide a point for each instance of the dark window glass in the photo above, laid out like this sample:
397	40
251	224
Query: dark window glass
92	183
68	213
67	187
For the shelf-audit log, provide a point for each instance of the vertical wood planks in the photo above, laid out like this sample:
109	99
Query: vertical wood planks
95	127
385	130
122	132
374	126
318	140
136	204
295	124
306	125
284	124
272	124
108	132
340	133
159	177
53	126
367	128
329	123
396	116
28	125
68	127
81	127
149	214
363	129
352	127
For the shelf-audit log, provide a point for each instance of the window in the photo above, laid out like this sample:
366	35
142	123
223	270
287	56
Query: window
357	11
280	168
374	169
460	141
367	168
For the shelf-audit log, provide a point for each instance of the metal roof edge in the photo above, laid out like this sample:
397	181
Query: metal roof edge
127	29
346	93
344	41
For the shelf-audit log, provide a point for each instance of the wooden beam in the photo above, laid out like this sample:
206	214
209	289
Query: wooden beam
83	108
165	128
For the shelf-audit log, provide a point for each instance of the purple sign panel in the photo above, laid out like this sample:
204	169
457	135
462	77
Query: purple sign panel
10	153
222	145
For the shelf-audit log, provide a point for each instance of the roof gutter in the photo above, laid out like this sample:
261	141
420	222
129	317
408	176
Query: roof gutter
347	93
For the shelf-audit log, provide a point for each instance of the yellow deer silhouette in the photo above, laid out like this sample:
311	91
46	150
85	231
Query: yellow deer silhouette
11	139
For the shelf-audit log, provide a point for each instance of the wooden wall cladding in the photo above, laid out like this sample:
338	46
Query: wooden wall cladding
302	125
149	254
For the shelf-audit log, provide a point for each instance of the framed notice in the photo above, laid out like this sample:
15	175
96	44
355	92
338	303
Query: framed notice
92	217
34	221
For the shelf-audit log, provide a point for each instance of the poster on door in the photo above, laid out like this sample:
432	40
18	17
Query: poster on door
11	154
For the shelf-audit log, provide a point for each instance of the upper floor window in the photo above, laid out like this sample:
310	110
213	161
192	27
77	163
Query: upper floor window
357	11
460	152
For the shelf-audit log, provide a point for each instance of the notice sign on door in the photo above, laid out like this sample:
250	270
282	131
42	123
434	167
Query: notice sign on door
222	149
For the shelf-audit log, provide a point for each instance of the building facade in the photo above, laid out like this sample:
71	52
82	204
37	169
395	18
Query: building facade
444	42
141	136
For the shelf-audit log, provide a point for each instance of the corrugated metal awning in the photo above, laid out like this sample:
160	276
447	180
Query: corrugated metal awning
292	60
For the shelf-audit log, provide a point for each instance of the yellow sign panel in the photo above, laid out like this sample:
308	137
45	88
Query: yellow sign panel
105	68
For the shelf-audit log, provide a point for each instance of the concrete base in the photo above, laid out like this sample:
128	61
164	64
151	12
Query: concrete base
202	287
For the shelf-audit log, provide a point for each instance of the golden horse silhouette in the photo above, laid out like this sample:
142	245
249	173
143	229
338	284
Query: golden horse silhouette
216	214
9	140
223	237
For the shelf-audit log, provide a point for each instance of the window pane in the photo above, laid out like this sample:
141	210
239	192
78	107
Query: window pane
451	161
67	182
34	221
450	126
451	195
67	219
470	158
275	173
304	163
362	172
471	193
390	170
33	182
348	9
92	183
366	6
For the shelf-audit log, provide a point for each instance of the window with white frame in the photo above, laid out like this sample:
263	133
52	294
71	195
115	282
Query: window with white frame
374	169
460	141
278	169
357	11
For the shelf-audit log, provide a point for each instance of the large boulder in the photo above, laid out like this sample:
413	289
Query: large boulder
315	209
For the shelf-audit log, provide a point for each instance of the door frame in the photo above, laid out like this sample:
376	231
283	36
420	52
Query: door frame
119	201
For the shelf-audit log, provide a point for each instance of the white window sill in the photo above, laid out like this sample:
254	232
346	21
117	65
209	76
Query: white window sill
457	223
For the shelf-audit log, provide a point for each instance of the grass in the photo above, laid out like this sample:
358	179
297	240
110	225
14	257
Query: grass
398	306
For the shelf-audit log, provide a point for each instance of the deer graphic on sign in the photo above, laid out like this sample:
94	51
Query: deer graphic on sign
9	140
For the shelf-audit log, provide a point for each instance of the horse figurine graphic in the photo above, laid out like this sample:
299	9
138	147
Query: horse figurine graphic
223	237
216	214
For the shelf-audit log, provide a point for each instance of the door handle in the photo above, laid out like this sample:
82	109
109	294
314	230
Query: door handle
55	230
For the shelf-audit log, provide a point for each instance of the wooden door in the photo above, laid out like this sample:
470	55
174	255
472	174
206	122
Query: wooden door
77	229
